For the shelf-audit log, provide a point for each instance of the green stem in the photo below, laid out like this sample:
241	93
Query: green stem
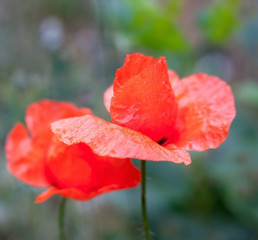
61	215
143	200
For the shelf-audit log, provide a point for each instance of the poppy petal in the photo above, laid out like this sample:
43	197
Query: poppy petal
25	157
39	115
107	97
205	111
144	102
68	192
107	139
133	65
66	166
173	77
78	167
75	193
115	174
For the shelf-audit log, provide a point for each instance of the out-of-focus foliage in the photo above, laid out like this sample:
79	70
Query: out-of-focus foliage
248	95
219	20
69	50
151	24
248	37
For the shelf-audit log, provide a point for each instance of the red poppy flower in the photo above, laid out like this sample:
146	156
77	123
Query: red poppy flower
155	115
35	157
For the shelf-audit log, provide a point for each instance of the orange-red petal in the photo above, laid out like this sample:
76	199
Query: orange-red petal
173	79
68	192
76	172
121	180
66	166
40	114
133	65
78	167
107	139
117	184
205	111
75	193
25	157
144	101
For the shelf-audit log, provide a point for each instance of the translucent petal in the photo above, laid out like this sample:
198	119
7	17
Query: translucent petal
40	114
25	157
107	139
206	109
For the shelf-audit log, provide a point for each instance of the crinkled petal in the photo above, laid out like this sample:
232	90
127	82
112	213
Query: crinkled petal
107	139
144	102
205	111
39	115
25	157
133	65
173	79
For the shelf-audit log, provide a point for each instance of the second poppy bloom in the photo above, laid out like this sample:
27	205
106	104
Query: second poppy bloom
155	115
35	157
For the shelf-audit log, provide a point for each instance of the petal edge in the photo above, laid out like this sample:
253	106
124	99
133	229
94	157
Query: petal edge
107	139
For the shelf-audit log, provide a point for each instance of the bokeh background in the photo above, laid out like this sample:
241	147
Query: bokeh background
70	49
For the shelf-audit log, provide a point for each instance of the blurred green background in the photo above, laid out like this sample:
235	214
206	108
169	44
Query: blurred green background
70	49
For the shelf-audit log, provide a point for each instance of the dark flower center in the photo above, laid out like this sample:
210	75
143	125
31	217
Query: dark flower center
162	140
